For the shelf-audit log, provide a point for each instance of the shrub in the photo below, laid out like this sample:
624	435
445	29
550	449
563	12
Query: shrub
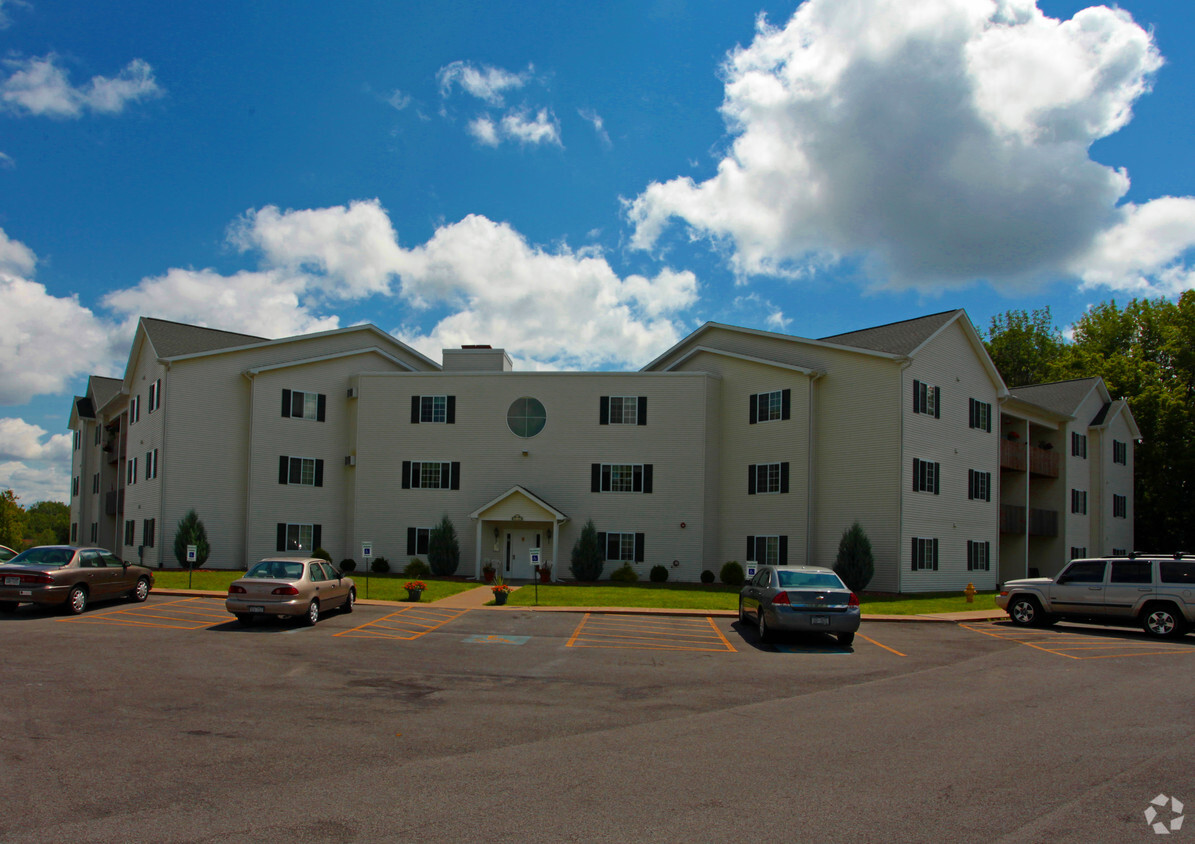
707	576
191	532
732	574
659	574
855	564
321	554
588	556
348	565
624	574
416	568
380	565
443	550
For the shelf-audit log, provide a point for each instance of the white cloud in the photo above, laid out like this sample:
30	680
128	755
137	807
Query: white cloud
1143	252
484	130
485	82
398	100
5	20
599	125
39	86
21	441
15	257
941	142
560	309
50	481
521	127
6	161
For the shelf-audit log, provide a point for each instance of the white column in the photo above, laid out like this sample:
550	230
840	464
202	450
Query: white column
477	552
555	546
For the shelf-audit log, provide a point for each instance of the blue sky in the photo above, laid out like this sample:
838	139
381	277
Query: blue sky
582	184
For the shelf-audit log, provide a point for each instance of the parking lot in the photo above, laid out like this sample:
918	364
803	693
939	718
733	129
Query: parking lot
168	721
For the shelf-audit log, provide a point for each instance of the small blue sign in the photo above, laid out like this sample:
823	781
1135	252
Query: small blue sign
496	639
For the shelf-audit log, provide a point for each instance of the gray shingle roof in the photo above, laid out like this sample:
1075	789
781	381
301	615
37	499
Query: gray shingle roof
1061	396
103	389
897	338
171	339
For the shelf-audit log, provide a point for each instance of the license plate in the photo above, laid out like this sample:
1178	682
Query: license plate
257	609
820	619
12	581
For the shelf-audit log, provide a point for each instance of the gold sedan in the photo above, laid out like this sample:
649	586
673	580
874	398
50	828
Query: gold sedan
289	586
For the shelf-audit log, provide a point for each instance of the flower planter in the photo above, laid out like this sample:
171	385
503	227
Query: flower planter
500	598
488	574
414	594
545	575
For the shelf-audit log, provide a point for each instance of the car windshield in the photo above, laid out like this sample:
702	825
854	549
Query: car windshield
806	579
276	570
43	557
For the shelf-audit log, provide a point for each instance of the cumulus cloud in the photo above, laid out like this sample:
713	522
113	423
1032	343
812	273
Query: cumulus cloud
940	145
39	86
20	440
48	481
485	82
599	126
517	125
45	340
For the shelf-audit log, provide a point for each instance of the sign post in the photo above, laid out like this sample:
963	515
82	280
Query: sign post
192	556
535	560
366	555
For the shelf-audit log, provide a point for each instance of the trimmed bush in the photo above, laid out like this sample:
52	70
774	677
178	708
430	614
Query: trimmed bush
348	565
417	569
624	574
855	564
380	565
707	576
321	554
443	549
191	532
659	574
588	556
732	574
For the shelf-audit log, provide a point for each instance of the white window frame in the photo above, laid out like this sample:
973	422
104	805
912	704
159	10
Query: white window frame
622	477
769	406
1079	502
433	409
771	550
1120	506
306	402
296	530
925	557
155	395
767	479
981	486
1078	445
439	465
979	555
927	476
981	415
623	537
1120	452
131	474
624	410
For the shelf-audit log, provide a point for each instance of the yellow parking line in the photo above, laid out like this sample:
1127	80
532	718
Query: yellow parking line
577	632
649	634
878	644
1066	642
720	636
374	629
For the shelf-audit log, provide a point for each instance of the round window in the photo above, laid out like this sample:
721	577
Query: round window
526	417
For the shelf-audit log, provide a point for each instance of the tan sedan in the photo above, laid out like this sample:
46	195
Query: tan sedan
69	576
290	586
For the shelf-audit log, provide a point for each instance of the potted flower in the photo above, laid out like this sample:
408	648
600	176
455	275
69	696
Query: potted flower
488	571
500	590
415	589
1013	436
545	573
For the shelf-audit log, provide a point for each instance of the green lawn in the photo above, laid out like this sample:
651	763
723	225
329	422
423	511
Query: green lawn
382	587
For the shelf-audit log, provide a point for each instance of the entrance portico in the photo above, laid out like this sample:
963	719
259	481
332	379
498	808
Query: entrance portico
510	526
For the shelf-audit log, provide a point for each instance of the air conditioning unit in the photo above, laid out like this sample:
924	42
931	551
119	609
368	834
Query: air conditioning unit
351	460
352	392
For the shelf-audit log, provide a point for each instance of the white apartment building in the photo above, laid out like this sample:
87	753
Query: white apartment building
735	444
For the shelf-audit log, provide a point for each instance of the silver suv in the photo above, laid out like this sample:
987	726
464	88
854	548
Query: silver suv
1152	591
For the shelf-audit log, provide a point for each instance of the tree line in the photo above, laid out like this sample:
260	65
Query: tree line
43	523
1145	352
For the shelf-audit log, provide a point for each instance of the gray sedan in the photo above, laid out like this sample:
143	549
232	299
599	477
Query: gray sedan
799	598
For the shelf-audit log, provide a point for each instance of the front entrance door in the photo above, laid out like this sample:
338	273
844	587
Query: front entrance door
518	552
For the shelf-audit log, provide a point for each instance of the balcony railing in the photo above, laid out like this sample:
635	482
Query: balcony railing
1012	519
1043	462
1012	456
114	503
1043	522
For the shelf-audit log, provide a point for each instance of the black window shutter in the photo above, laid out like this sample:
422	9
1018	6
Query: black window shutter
285	409
786	404
296	471
647	473
783	550
784	477
450	411
317	539
456	476
937	402
636	478
935	553
406	474
605	477
642	415
445	475
602	544
987	492
281	537
753	409
319	472
916	395
283	469
639	543
916	473
604	410
321	405
414	410
988	422
972	414
970	483
411	542
751	479
937	472
750	548
595	477
761	549
914	553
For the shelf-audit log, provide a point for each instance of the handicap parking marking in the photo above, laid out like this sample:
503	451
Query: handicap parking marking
1075	644
491	639
406	624
649	633
837	650
180	614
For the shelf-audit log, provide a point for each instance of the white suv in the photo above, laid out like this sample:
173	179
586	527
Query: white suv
1153	591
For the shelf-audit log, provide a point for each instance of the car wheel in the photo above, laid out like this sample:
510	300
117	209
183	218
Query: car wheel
8	606
765	634
742	614
1162	621
312	615
76	600
845	639
1025	611
349	601
245	619
141	590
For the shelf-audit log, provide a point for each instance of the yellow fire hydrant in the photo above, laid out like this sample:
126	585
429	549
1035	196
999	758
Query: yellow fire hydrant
970	593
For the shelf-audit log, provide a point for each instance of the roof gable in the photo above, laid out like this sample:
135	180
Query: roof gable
1062	397
171	339
895	338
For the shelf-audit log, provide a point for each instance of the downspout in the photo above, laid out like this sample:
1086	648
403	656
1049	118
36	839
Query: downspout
810	463
165	475
249	474
900	486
